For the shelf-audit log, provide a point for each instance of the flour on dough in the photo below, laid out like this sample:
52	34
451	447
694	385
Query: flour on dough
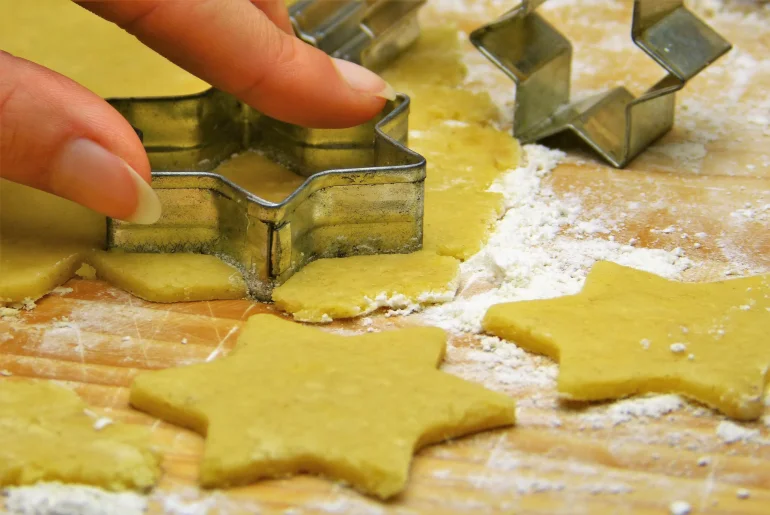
170	277
330	289
633	332
291	399
47	434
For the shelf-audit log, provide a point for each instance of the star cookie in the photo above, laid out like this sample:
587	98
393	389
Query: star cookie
293	399
631	332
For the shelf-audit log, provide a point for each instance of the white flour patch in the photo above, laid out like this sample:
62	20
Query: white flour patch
528	257
730	432
58	499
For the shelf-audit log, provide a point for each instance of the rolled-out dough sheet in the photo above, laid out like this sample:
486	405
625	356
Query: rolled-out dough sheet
170	277
47	434
330	289
632	332
291	399
66	38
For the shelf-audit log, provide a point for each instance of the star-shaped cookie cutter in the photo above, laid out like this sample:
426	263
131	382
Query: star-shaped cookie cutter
364	188
615	123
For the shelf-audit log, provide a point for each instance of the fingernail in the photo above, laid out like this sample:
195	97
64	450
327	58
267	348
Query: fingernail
148	208
89	174
363	80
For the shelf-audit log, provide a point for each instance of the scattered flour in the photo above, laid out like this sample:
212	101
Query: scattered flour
680	508
58	499
730	432
528	257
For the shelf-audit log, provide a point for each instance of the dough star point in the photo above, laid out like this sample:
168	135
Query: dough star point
292	399
630	332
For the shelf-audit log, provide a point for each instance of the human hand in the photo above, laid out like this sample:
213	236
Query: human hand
57	136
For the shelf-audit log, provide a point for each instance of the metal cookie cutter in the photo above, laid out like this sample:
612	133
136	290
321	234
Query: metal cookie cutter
364	189
367	32
615	124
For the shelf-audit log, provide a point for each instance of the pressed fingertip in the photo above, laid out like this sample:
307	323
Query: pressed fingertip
364	81
91	175
148	209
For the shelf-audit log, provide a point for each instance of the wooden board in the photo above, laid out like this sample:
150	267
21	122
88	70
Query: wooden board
558	459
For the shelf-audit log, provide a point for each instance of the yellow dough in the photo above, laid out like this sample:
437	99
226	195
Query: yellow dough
259	175
47	434
458	222
452	128
64	37
170	277
467	156
293	399
435	59
329	289
30	268
631	332
435	103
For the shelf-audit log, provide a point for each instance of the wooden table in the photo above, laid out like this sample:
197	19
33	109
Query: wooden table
713	165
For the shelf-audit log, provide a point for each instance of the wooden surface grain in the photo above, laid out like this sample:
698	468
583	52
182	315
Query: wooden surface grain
700	178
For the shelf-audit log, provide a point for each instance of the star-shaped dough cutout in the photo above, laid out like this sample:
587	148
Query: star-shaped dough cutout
630	332
291	399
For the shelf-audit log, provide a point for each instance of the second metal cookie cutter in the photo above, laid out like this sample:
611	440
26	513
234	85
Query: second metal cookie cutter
615	124
367	32
364	188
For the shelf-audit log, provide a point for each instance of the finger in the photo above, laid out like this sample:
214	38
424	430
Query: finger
277	12
59	137
236	48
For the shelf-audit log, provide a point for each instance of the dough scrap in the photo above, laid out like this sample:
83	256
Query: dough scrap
30	268
466	155
293	399
329	289
170	277
632	332
46	434
458	222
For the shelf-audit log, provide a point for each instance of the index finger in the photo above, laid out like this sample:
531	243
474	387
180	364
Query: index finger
235	47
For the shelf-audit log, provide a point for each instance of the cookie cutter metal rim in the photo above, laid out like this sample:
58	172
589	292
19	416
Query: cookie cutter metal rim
285	250
366	32
615	124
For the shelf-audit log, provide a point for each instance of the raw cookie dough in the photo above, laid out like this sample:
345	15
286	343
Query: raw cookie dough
43	237
329	289
451	128
293	399
47	434
632	332
470	214
30	268
66	38
259	175
170	277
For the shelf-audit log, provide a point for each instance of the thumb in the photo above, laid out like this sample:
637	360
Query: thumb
59	137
